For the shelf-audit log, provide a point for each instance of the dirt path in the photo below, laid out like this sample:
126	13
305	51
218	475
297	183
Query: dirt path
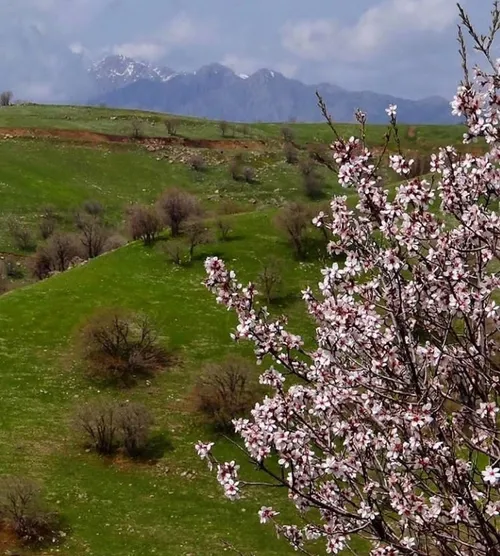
103	138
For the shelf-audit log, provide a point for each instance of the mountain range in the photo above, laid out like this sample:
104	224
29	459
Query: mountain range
215	91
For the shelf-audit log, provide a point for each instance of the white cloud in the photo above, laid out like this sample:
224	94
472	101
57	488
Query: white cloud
150	52
180	31
241	64
378	30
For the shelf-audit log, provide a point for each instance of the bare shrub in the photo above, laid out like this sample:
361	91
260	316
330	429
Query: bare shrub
98	422
236	167
21	235
172	125
314	185
119	347
41	264
114	241
6	98
223	127
176	206
197	163
93	207
224	228
287	134
23	510
291	153
177	251
61	249
46	226
136	129
270	279
144	222
230	206
93	234
13	269
249	174
134	422
196	233
225	391
294	219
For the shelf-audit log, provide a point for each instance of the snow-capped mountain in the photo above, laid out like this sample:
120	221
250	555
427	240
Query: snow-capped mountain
215	91
117	71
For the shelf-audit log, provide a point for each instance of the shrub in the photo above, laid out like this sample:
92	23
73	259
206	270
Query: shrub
294	219
291	153
176	206
23	510
249	174
61	250
41	264
270	279
13	269
136	131
245	130
93	234
114	241
197	163
177	251
21	235
144	222
98	422
224	228
119	347
314	185
287	134
134	422
172	125
6	98
93	207
196	233
46	227
223	127
225	391
236	167
55	256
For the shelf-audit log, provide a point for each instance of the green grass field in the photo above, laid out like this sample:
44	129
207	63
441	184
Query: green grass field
119	122
120	508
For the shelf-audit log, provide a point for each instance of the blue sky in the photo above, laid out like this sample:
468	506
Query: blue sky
404	47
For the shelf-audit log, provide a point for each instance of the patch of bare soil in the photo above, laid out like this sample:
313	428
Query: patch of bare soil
158	142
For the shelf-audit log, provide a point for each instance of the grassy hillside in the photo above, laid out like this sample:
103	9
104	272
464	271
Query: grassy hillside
126	509
174	506
111	121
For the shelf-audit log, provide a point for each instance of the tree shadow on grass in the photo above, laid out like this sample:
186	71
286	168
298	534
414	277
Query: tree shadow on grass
158	445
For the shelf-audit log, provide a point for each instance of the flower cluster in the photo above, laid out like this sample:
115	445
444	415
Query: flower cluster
389	429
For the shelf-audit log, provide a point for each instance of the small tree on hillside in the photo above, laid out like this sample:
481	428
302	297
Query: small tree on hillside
6	98
223	127
196	233
294	219
144	223
22	236
172	126
93	234
176	206
270	279
287	134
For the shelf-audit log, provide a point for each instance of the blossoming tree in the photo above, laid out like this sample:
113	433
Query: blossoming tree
389	429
